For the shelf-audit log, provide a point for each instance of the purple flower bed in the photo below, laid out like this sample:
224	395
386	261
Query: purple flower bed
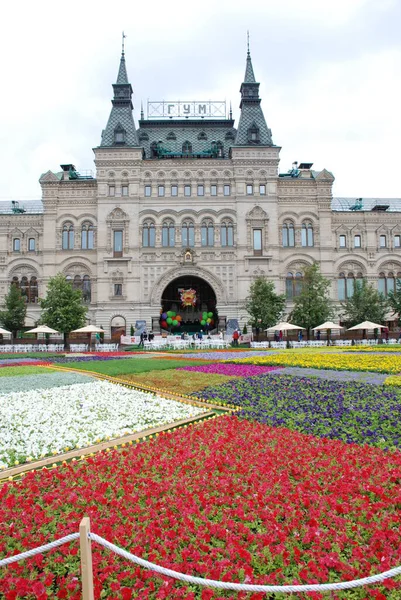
221	355
231	369
359	376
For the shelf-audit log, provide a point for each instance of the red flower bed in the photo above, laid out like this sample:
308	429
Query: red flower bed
229	500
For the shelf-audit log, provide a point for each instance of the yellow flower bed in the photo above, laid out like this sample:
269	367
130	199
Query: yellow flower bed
339	362
393	380
375	348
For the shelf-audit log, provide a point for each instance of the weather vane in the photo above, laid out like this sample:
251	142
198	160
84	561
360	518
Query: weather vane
124	36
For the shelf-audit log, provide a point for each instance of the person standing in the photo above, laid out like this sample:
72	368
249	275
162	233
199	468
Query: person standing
235	337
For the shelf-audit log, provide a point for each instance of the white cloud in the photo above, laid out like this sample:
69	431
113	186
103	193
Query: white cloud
327	71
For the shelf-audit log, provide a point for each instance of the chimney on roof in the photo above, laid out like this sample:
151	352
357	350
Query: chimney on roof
66	171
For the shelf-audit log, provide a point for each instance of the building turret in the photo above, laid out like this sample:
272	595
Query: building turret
252	128
120	129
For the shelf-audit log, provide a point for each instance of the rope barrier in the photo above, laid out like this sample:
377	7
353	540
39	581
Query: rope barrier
39	549
244	587
210	583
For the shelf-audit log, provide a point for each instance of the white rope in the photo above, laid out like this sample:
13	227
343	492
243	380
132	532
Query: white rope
223	585
39	549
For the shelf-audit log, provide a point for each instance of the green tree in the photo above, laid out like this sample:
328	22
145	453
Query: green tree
394	298
312	307
366	304
13	316
62	309
264	306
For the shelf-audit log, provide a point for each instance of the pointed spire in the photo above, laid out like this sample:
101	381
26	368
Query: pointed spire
142	111
231	110
249	74
252	128
120	129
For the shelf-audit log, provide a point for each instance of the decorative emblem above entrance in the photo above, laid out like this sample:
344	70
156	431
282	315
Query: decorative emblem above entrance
188	257
188	297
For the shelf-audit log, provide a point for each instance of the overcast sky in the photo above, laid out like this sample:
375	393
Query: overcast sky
329	72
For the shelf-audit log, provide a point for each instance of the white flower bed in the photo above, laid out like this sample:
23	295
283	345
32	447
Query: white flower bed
37	423
24	383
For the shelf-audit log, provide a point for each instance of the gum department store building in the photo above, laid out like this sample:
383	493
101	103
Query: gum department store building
186	200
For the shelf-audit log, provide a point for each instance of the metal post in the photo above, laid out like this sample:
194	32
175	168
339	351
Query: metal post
86	559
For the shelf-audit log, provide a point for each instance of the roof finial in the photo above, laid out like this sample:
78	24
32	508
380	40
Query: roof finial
141	110
247	36
124	36
231	110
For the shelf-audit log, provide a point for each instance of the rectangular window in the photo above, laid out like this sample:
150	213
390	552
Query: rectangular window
397	241
227	190
257	242
262	190
343	241
148	190
213	190
357	241
187	190
350	287
160	190
341	288
112	190
383	241
16	244
118	289
174	190
201	190
249	189
31	244
118	244
124	190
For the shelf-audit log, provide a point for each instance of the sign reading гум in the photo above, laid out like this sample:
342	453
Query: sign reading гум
196	109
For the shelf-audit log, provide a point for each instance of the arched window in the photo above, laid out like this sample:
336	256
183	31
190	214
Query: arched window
68	236
119	135
341	286
207	233
168	234
288	234
220	149
386	283
346	284
188	234
293	285
87	236
307	234
77	283
28	287
227	233
187	148
148	234
86	289
383	241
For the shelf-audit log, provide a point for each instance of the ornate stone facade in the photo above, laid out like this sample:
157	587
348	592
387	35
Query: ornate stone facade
122	237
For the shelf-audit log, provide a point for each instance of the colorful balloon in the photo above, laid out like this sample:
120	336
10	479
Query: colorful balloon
208	321
203	322
169	320
175	322
179	318
163	324
210	315
164	316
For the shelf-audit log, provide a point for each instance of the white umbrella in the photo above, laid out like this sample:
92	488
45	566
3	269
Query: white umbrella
4	331
42	329
327	325
283	326
88	329
367	325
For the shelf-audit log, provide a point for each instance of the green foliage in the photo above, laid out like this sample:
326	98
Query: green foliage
132	330
18	371
125	366
366	304
13	316
264	306
312	307
245	330
394	298
62	309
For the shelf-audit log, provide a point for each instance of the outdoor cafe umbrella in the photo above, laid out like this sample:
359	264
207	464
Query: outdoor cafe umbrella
283	326
42	329
327	326
89	329
4	331
366	325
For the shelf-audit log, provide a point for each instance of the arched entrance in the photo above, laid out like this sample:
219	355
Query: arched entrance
193	303
117	328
